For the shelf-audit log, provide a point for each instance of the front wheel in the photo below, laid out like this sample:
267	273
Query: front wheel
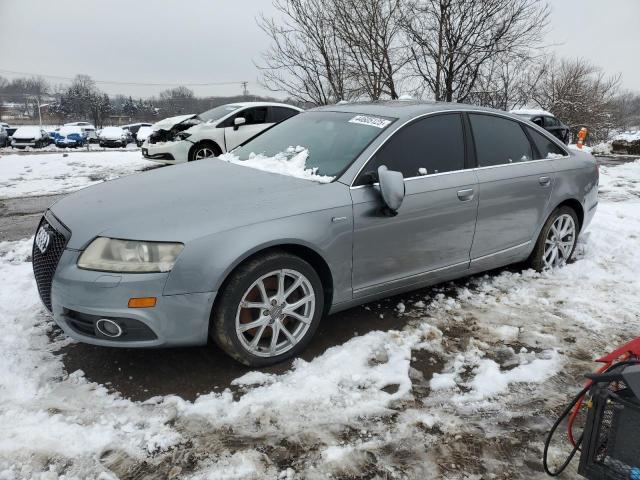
557	240
268	310
204	150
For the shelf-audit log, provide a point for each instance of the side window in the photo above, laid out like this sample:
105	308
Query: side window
499	141
427	146
537	121
254	115
551	122
278	114
546	148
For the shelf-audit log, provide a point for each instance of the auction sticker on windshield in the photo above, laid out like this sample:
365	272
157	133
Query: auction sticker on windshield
371	121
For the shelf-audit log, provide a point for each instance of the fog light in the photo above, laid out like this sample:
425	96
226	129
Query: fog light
108	328
144	302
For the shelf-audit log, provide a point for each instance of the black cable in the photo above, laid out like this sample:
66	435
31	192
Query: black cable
552	432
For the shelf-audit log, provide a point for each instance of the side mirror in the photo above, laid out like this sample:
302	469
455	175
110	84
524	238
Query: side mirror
238	121
391	188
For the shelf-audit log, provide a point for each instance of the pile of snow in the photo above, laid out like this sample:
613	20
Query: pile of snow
292	162
630	136
530	112
112	133
27	133
27	175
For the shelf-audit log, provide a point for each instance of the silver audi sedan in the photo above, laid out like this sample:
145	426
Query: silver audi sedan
253	250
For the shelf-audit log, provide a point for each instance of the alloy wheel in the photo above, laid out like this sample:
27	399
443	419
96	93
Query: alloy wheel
560	241
204	152
275	313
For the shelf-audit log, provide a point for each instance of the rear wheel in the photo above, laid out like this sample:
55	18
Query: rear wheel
557	240
268	310
204	150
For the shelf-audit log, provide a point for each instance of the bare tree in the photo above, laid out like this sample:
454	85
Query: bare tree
452	42
627	110
306	58
508	83
580	94
371	31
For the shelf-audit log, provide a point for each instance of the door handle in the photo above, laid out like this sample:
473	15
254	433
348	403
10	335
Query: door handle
544	181
466	194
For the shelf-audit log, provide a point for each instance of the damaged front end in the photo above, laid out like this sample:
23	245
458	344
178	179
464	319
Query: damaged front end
173	129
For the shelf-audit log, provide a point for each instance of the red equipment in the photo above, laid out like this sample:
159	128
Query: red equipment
629	351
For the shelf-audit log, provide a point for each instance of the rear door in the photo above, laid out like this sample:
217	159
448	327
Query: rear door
255	121
515	187
433	229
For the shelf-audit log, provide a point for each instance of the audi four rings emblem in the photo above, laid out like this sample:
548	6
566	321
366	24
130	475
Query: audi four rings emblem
42	240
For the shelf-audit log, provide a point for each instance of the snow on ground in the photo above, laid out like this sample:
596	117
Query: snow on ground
93	147
466	390
27	175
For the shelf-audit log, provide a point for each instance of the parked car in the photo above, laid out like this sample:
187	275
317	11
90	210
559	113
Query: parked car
143	134
71	137
88	129
113	137
34	137
547	121
382	198
134	128
211	133
4	137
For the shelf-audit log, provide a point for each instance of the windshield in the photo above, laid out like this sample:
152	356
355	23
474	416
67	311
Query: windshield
327	141
217	113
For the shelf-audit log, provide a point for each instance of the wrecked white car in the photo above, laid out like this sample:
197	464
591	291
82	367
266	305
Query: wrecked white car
192	137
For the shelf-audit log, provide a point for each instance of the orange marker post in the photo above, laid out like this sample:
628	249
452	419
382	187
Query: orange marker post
582	134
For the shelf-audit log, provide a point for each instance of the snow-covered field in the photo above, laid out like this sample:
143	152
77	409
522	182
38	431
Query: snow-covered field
466	390
28	175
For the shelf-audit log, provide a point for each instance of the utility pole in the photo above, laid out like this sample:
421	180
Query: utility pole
245	90
39	113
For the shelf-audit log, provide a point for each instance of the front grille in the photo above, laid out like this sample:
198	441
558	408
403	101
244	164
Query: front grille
45	263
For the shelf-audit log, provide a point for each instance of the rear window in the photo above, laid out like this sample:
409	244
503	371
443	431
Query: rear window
546	148
499	141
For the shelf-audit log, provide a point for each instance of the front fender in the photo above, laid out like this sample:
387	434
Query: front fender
206	262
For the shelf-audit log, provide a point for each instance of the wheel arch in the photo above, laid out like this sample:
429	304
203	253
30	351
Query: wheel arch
204	141
299	249
576	206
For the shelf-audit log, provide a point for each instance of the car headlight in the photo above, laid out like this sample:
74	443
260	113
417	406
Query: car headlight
113	255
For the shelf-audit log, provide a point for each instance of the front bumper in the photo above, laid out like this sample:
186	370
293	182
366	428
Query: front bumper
176	320
15	144
167	152
112	143
69	144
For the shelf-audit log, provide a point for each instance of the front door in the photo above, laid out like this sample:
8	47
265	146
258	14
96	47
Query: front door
433	229
515	187
255	122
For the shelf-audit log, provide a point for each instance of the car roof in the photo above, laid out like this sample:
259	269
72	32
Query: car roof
405	109
264	104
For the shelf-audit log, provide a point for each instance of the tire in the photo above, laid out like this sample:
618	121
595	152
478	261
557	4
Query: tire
293	334
197	152
542	257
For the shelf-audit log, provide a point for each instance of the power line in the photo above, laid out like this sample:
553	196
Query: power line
119	82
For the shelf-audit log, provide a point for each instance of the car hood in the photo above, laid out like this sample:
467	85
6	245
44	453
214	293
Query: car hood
189	201
168	123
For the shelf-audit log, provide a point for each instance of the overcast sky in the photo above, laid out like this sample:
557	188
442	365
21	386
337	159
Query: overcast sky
205	41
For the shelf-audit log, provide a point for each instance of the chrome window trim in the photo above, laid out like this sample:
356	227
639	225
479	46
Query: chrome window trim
497	114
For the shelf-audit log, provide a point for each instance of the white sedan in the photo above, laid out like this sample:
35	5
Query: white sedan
192	137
